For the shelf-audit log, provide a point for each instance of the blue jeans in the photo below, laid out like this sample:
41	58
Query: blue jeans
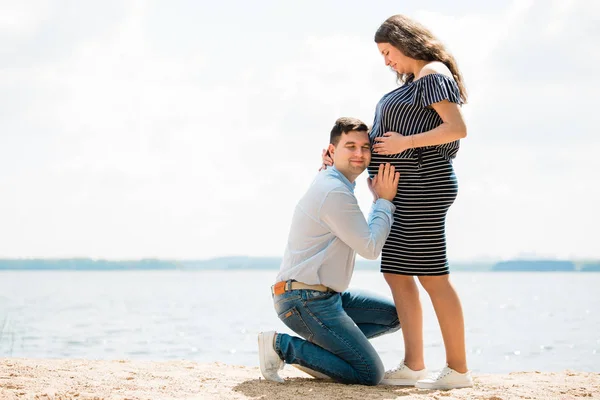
336	328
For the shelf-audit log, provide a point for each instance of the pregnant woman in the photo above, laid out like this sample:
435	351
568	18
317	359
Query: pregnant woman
417	129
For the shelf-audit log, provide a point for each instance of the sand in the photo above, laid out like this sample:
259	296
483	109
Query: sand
123	379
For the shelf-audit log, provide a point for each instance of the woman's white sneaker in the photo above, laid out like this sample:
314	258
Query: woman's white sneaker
403	376
447	379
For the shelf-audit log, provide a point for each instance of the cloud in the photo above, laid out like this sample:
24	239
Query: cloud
22	19
143	135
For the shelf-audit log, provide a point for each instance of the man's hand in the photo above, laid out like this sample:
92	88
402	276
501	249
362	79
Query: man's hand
385	184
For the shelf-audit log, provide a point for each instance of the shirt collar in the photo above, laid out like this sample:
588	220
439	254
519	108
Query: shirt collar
341	177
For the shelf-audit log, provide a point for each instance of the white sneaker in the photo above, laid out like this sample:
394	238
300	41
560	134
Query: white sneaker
403	376
270	363
447	379
311	372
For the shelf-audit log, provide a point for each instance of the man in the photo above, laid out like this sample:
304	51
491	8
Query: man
311	295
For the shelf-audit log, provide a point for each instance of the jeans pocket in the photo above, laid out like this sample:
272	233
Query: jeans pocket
312	295
293	320
288	297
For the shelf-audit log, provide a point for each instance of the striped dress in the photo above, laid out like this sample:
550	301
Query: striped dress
417	242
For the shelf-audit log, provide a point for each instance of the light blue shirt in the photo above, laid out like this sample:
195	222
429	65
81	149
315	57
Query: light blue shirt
328	229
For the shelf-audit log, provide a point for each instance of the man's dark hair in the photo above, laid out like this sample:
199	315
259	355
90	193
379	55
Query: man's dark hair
345	125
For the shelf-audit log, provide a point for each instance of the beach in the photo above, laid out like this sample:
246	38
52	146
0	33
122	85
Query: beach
61	379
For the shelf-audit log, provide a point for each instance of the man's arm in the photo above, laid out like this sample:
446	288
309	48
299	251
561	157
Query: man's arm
341	214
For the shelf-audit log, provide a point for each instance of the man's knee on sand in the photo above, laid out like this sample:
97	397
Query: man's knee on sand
373	376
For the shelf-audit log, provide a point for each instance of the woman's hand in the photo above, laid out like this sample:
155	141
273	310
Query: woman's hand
391	143
327	160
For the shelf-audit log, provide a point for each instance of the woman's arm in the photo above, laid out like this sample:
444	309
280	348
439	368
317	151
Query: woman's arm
453	125
452	128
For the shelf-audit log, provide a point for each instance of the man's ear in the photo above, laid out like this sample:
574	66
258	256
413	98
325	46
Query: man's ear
331	149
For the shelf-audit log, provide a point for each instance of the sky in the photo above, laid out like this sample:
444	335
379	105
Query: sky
190	129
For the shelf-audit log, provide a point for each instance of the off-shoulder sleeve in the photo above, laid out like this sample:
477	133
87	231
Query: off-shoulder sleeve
437	87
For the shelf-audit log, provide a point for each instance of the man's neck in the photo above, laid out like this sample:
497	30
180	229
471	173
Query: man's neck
351	177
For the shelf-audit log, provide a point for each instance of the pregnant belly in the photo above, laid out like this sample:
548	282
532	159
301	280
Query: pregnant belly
402	162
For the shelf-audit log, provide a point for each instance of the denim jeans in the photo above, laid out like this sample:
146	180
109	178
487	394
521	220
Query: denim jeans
335	328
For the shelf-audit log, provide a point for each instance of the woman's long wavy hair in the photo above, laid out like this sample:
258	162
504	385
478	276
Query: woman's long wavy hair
417	42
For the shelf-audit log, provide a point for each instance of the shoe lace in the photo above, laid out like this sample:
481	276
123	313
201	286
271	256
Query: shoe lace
397	368
443	373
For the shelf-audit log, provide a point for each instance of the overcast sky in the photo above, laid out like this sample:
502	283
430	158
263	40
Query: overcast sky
189	129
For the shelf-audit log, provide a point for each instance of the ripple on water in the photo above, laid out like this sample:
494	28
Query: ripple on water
476	350
77	343
138	352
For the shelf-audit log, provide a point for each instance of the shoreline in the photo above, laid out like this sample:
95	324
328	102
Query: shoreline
61	379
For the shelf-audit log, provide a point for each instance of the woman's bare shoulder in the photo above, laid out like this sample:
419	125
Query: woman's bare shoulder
435	67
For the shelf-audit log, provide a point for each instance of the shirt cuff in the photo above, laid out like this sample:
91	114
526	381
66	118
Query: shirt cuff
385	205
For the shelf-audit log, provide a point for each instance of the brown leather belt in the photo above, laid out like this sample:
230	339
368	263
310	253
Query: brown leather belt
286	286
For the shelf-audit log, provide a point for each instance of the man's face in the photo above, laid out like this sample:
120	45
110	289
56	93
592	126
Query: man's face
352	154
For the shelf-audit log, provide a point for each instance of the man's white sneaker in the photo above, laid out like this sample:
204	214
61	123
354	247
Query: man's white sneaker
311	372
403	376
270	363
447	379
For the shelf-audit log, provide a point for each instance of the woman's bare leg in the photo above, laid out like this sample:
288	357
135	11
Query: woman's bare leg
450	317
406	298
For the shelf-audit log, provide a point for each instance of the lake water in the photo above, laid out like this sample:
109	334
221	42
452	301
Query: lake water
514	321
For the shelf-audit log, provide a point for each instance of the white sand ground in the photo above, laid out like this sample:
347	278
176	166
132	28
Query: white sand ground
121	379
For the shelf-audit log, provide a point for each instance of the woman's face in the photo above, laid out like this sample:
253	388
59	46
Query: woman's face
394	58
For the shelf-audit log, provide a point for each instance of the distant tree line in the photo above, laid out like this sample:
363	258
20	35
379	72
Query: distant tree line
546	265
270	263
85	264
